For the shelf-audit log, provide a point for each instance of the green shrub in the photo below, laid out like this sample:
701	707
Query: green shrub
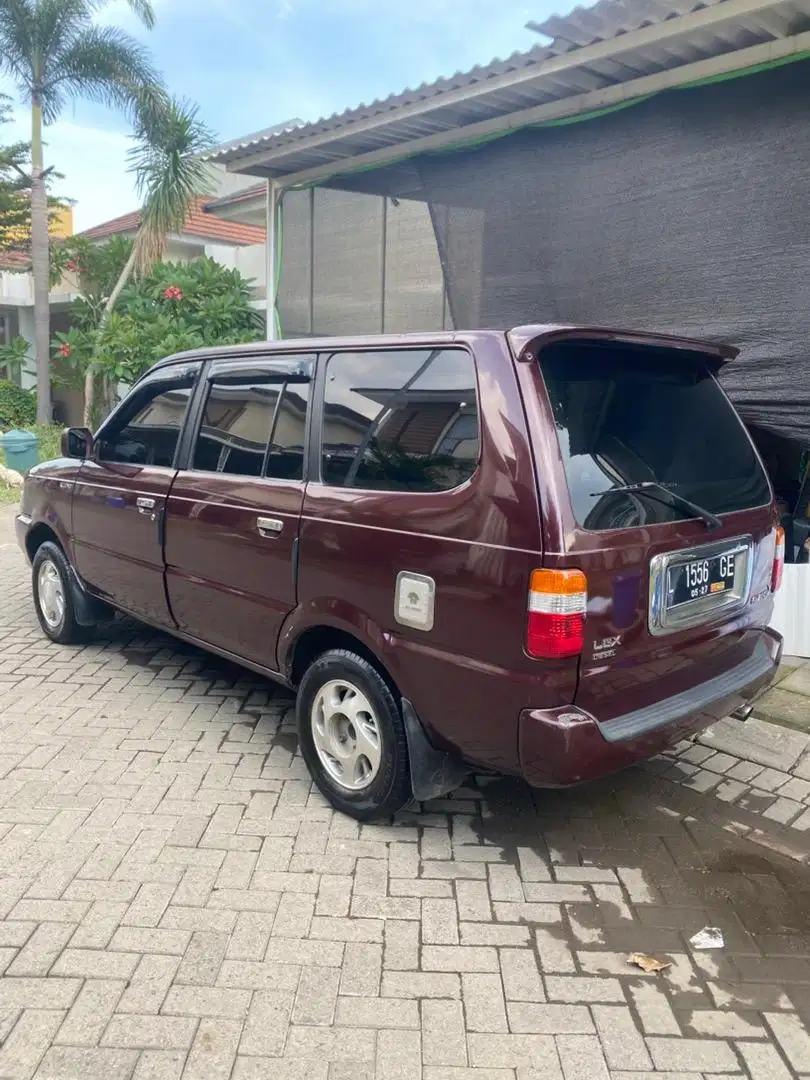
18	407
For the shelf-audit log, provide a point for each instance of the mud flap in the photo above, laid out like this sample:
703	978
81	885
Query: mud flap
87	609
433	772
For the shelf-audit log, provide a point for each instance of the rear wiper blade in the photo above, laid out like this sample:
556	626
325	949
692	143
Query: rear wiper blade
663	494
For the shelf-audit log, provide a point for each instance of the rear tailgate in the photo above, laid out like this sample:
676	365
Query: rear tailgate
630	662
673	598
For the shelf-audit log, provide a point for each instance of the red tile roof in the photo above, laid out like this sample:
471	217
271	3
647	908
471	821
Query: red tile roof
198	224
14	260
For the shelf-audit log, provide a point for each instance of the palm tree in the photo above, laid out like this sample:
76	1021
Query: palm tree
55	53
170	174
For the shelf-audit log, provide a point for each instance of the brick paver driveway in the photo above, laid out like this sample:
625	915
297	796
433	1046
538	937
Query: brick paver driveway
177	900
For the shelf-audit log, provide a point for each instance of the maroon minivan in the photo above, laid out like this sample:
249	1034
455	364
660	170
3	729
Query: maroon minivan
549	552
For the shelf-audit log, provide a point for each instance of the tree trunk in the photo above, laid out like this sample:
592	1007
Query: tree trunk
40	266
89	378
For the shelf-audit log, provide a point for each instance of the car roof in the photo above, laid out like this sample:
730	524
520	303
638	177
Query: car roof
520	338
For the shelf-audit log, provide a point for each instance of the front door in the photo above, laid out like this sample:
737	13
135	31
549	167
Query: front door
233	514
120	496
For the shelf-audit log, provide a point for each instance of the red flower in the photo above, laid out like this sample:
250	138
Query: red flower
173	293
65	350
72	265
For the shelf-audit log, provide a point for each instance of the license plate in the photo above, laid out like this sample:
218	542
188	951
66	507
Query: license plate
693	580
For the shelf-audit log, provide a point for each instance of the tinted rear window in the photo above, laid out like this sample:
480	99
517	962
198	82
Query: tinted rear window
626	415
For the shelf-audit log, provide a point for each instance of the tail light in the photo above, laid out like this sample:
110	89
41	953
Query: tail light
778	559
556	620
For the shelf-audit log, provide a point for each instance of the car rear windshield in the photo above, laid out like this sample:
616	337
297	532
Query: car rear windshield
635	415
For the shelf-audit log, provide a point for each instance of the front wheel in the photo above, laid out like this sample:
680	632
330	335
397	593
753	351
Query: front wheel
53	598
352	736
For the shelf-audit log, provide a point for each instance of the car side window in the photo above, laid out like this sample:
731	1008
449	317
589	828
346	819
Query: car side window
147	432
254	428
400	420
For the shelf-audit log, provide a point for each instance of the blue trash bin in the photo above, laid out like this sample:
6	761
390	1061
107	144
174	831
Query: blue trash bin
21	450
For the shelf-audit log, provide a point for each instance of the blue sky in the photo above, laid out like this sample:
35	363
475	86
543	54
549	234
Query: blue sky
252	63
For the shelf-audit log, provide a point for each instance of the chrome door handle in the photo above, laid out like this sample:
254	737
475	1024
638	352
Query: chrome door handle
269	527
146	506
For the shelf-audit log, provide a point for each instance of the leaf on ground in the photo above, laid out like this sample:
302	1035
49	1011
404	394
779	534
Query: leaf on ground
648	963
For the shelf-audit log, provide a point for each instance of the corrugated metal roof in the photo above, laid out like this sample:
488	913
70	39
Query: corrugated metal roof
239	148
254	139
619	41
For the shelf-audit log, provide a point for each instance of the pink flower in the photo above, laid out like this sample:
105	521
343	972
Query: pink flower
65	350
173	293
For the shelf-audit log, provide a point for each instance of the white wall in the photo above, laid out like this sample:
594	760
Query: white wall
16	288
249	261
226	183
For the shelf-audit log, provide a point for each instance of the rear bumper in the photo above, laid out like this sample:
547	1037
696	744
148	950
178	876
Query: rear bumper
560	747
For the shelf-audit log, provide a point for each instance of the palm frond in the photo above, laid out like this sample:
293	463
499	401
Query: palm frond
142	8
102	64
169	173
17	35
57	23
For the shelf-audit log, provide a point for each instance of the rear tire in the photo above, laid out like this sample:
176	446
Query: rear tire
352	736
53	597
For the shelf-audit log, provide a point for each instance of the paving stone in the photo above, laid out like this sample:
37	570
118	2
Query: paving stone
25	1047
792	1036
362	969
515	1051
444	1040
781	706
654	1009
91	1012
266	1029
150	1032
42	949
531	1019
258	1068
206	1001
316	999
334	1044
377	1013
420	984
484	1004
763	1062
757	741
160	1065
583	988
96	1063
581	1057
459	958
621	1041
520	975
149	984
398	1056
784	811
693	1055
439	922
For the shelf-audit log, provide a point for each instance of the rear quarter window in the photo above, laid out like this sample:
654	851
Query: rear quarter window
400	420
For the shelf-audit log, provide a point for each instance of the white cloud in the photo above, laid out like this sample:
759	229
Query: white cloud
93	163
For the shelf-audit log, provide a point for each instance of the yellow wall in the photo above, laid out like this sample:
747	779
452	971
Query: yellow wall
62	224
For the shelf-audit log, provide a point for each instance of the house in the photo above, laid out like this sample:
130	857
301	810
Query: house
233	244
